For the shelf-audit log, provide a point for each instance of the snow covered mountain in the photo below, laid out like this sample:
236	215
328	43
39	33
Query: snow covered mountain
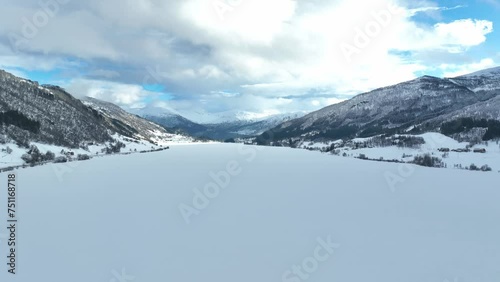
256	127
481	81
127	124
488	73
231	116
243	126
48	114
177	123
420	105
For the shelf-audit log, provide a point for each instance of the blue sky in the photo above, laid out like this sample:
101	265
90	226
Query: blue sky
463	10
187	56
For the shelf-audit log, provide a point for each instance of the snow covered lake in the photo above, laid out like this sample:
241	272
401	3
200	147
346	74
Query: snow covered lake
228	212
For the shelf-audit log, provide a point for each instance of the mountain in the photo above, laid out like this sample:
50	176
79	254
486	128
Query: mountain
231	116
126	124
244	125
491	72
177	123
481	81
31	112
245	128
420	105
47	114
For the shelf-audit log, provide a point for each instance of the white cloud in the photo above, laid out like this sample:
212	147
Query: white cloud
263	50
125	95
10	60
252	21
464	32
454	70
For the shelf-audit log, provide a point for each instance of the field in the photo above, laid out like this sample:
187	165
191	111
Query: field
227	212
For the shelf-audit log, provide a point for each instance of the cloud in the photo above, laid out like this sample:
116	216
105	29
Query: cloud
464	33
266	51
432	11
125	95
454	70
100	73
8	59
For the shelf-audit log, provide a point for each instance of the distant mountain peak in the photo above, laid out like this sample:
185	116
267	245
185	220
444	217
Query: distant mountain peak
491	72
427	77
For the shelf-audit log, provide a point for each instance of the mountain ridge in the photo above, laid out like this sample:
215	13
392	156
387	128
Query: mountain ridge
48	114
220	131
422	103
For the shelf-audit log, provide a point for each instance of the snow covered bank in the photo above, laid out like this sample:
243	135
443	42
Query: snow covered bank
434	143
11	154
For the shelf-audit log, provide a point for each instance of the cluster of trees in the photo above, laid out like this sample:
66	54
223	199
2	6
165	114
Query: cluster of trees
7	150
18	119
34	156
476	168
83	157
4	139
428	161
465	124
282	137
402	141
114	148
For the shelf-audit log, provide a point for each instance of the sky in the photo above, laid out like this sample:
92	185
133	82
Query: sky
259	56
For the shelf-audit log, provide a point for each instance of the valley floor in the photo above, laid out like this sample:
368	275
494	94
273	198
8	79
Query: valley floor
229	212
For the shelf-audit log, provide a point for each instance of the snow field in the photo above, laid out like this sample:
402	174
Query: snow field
118	217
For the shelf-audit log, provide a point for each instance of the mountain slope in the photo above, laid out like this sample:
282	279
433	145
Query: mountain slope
48	114
177	123
125	123
36	113
246	128
426	100
481	81
489	109
223	130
